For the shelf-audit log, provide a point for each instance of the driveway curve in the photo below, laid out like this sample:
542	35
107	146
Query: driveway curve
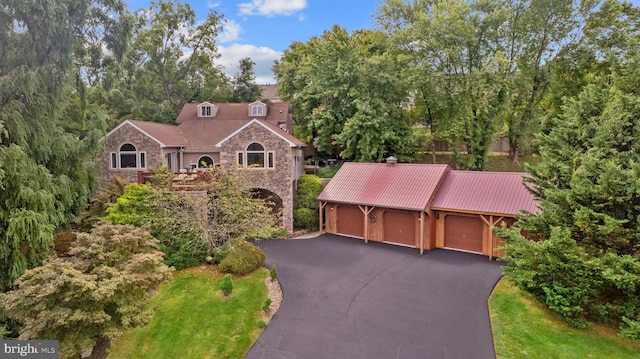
347	299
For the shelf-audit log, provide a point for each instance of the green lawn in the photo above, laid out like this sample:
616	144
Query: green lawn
193	320
522	328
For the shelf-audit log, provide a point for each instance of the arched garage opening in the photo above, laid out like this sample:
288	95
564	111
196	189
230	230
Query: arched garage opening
272	200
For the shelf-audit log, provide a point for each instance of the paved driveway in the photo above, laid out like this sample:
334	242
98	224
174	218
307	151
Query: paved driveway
347	299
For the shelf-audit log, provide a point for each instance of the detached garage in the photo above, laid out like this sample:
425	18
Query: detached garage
382	202
422	205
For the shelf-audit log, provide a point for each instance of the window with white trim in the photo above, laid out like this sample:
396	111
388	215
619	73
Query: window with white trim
128	156
257	109
255	156
205	162
205	109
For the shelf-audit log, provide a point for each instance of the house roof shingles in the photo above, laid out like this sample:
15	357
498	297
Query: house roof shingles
401	186
168	135
501	193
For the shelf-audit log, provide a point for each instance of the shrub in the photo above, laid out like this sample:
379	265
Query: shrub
227	284
261	323
273	273
266	305
239	257
309	187
306	218
133	207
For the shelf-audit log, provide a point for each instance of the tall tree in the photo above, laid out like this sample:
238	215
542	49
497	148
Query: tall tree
537	33
452	52
346	95
46	174
244	87
587	267
170	63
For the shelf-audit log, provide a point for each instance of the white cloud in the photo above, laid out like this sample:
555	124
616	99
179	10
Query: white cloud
272	7
212	5
231	31
262	56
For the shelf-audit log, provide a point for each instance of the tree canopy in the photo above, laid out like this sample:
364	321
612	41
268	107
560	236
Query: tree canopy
45	172
99	294
587	267
346	95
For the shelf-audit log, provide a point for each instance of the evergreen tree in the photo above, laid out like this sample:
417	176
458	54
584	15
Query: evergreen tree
587	267
244	87
46	175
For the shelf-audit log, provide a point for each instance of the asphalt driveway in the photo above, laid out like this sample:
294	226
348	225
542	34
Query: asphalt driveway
347	299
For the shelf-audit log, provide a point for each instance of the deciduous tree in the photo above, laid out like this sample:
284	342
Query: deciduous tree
347	95
98	294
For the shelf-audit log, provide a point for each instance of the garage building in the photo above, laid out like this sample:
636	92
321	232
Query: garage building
423	205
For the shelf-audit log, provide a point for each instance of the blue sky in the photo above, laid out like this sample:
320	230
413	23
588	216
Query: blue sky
263	29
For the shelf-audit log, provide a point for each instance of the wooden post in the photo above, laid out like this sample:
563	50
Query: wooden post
421	219
321	206
491	222
366	211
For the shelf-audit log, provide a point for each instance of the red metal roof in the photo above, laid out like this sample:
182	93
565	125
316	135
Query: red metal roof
402	186
485	192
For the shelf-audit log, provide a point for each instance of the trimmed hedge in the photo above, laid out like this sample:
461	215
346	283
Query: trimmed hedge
306	218
238	257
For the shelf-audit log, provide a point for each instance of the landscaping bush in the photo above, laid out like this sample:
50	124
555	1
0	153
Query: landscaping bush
273	273
305	214
267	305
309	187
306	218
239	257
133	207
227	284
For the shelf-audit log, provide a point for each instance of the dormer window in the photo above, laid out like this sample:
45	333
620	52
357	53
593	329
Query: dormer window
206	109
257	109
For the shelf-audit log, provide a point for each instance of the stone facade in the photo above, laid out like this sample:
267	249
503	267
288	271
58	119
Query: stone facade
280	180
142	142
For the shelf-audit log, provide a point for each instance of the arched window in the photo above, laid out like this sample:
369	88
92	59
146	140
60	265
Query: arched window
128	156
205	162
255	156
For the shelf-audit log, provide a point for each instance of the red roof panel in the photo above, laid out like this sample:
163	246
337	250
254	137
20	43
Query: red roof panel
485	192
403	186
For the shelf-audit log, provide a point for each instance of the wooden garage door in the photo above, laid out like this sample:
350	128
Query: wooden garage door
400	227
461	232
350	221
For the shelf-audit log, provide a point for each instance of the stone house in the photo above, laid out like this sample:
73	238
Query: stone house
256	137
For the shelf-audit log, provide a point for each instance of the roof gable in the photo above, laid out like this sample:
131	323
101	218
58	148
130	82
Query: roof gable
402	186
501	193
165	135
292	141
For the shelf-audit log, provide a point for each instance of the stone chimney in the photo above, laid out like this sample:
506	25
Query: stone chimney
391	161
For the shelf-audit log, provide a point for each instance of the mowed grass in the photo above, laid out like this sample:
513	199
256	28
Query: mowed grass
192	319
522	328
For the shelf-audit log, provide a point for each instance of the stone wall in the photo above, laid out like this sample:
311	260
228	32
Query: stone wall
278	180
143	143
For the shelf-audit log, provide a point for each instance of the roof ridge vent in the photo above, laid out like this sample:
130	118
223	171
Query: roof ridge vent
391	161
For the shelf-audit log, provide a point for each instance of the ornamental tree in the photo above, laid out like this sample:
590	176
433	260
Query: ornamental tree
96	295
